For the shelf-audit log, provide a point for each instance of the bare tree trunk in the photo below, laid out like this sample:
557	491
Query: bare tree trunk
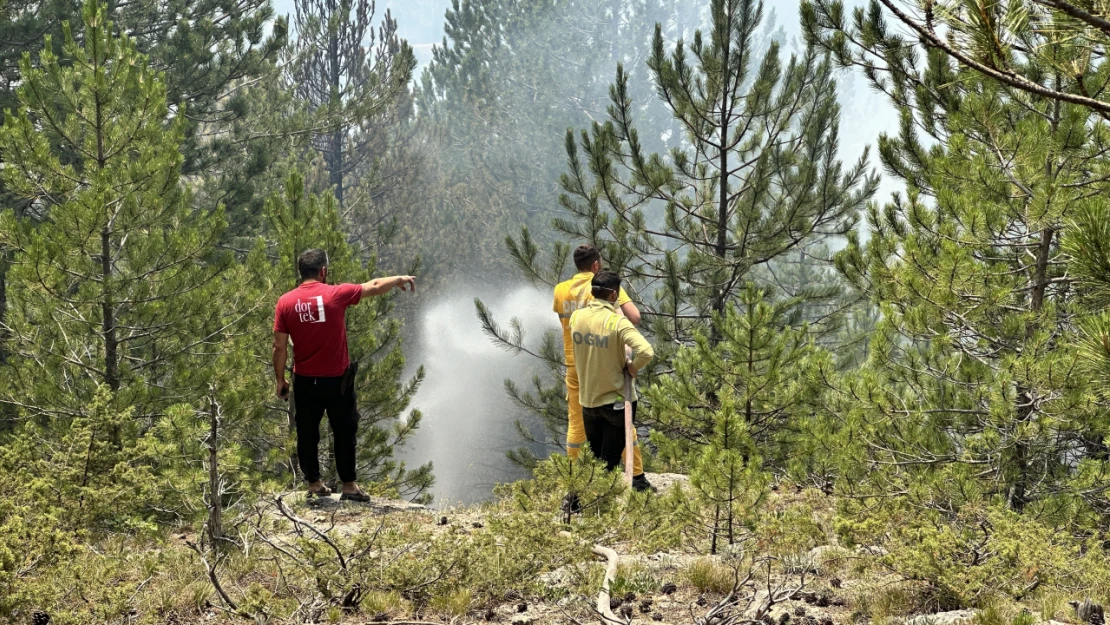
214	525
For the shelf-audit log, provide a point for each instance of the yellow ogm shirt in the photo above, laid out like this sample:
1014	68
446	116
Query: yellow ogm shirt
570	295
600	337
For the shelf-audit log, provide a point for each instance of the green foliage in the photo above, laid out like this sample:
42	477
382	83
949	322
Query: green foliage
97	473
741	384
981	555
973	391
116	285
718	197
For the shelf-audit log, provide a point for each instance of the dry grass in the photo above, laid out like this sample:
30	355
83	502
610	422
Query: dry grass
708	575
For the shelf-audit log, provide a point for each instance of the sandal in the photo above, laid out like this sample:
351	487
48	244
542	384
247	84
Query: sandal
323	492
359	496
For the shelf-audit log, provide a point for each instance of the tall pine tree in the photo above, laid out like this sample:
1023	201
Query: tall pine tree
972	391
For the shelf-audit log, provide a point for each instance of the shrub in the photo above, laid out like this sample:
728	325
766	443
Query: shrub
709	575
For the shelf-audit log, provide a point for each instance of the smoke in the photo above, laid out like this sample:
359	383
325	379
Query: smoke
468	418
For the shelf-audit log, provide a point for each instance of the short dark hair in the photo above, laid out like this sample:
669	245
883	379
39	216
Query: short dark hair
310	262
605	282
585	256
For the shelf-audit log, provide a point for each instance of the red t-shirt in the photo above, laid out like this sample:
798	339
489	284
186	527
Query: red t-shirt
313	316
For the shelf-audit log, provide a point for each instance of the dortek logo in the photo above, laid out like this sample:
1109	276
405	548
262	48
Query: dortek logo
311	311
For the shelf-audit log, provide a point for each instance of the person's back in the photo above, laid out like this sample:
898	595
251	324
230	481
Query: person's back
314	317
599	336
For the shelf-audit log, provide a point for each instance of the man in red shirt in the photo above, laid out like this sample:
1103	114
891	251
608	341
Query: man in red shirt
313	316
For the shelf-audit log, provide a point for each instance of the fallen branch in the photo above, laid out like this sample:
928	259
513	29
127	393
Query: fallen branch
613	559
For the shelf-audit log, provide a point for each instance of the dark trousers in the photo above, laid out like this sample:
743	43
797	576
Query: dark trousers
313	397
605	432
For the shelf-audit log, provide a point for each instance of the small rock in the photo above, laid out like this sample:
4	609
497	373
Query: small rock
702	601
442	520
522	607
656	617
799	611
614	603
669	588
943	618
835	582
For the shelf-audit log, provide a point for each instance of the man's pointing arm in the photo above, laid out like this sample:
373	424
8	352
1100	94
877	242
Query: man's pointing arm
380	286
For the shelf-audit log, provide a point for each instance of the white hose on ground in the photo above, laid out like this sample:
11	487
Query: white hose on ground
613	559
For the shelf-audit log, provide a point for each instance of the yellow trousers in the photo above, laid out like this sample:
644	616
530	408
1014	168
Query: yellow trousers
576	431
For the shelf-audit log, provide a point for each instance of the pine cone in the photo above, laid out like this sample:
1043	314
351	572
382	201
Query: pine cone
799	611
40	618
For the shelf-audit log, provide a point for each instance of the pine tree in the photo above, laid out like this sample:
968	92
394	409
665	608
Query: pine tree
692	230
117	286
351	75
1012	42
757	176
213	57
299	221
122	311
972	391
732	407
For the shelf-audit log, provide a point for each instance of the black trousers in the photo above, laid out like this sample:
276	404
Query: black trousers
605	432
312	397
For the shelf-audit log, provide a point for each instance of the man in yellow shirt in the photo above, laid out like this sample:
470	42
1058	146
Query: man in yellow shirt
571	295
600	337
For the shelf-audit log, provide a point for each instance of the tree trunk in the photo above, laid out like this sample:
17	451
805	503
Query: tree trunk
336	139
214	526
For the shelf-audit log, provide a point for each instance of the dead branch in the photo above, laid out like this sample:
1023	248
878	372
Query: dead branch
215	579
301	523
603	609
